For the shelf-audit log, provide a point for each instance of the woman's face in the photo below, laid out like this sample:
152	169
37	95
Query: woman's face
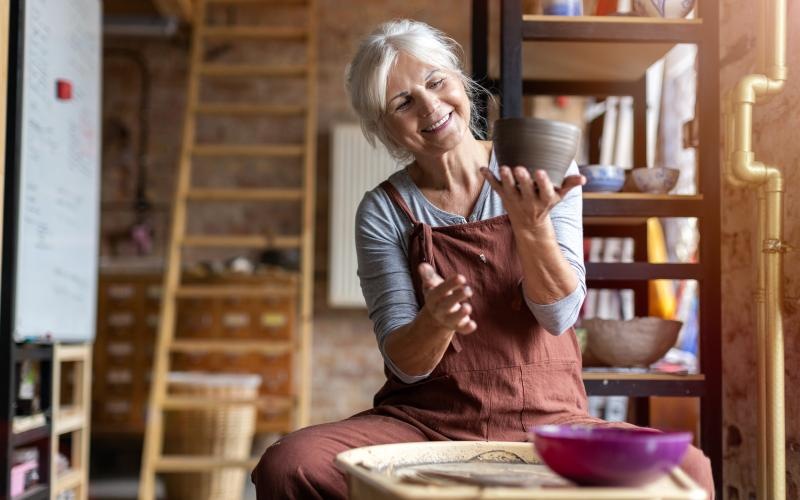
428	109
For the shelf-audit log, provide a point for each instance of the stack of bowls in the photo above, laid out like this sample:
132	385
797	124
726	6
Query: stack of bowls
536	144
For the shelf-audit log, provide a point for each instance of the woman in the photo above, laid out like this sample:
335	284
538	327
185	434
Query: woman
473	276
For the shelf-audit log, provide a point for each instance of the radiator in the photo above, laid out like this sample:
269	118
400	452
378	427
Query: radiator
356	168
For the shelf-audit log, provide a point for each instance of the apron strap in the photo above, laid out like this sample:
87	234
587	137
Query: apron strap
398	200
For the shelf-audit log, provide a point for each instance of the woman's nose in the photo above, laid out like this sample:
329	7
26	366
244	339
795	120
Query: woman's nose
429	104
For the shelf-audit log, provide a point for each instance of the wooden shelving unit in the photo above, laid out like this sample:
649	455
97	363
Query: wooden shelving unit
44	430
72	363
25	431
608	56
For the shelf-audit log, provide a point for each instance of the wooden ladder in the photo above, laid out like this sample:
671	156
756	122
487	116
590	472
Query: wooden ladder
153	459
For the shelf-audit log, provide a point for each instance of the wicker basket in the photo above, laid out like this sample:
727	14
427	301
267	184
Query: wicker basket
224	432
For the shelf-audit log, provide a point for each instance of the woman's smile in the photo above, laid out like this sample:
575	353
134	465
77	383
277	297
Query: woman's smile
439	125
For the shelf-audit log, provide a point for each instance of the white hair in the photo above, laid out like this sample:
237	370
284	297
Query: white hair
367	75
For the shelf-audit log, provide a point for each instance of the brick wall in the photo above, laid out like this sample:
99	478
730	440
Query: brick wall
348	368
775	124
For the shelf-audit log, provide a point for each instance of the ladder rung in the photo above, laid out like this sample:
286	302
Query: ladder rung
233	291
237	241
181	463
268	347
275	33
272	404
249	109
247	150
241	194
253	70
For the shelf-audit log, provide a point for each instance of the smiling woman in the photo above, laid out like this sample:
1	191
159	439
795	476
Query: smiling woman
386	48
472	272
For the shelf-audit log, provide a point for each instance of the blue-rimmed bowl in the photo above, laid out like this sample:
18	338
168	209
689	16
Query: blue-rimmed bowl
604	456
603	178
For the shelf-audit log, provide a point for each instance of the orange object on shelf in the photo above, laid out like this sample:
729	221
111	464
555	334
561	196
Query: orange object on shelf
606	7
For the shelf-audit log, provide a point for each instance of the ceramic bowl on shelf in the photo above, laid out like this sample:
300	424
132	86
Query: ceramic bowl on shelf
536	143
638	342
655	180
603	456
562	7
663	8
602	178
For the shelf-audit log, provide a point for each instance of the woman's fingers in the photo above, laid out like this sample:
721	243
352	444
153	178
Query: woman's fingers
446	299
430	278
460	320
450	302
570	182
524	182
468	327
546	190
492	180
509	184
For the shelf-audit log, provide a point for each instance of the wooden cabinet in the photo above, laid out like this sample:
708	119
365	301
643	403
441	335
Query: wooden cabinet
608	56
127	321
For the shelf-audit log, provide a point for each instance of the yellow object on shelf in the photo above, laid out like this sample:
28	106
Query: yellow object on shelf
662	295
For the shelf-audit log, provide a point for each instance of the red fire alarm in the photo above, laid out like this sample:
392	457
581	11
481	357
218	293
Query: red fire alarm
64	90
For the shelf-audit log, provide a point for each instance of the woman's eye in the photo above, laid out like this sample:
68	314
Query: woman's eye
437	83
402	106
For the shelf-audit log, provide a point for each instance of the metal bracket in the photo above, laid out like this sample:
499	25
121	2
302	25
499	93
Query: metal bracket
776	246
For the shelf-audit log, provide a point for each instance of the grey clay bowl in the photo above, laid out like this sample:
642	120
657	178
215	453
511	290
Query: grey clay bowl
536	143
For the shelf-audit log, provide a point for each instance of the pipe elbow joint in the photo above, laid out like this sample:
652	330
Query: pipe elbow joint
775	86
774	179
746	169
749	87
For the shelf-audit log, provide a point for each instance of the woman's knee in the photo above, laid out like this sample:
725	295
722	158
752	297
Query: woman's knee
288	470
698	467
277	462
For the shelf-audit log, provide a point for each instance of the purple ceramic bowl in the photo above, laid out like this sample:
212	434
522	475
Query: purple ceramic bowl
609	457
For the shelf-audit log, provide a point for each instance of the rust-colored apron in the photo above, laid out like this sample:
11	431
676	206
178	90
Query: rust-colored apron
493	384
506	376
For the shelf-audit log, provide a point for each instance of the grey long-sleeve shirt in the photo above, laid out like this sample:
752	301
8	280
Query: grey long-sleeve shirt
382	236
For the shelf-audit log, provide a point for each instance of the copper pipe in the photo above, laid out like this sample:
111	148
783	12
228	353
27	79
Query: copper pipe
762	449
741	168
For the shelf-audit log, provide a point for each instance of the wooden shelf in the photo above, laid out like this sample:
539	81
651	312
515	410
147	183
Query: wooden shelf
38	492
67	480
69	420
602	29
26	430
611	383
34	352
589	61
599	49
607	56
654	205
629	271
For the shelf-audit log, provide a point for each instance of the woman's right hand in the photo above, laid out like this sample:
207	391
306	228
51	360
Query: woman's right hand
447	300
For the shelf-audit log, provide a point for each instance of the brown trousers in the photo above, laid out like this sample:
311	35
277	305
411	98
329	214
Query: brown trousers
494	384
301	464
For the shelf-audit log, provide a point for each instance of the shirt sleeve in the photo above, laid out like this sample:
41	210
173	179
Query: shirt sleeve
567	219
383	272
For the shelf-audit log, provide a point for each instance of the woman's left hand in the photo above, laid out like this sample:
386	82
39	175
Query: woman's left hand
528	200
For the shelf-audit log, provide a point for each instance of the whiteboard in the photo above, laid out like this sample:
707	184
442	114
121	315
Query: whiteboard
55	281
